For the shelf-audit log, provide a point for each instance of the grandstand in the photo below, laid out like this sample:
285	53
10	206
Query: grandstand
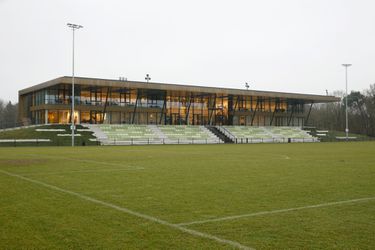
125	134
248	134
189	134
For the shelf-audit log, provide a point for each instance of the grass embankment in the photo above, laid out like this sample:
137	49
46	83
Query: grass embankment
332	135
32	133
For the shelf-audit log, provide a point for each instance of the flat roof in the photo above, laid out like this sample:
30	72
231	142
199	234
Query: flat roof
178	88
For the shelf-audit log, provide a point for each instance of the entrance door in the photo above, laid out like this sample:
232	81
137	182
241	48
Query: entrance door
242	120
96	117
175	119
197	119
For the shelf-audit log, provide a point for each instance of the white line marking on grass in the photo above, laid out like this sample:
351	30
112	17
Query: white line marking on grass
86	161
276	211
131	212
82	171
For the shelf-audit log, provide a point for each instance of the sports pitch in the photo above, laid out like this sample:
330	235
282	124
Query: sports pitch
267	196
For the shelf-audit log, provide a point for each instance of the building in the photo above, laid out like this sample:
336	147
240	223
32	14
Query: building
130	102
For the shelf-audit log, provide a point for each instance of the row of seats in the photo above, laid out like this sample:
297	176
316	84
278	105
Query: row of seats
266	133
128	132
185	132
247	132
290	132
152	134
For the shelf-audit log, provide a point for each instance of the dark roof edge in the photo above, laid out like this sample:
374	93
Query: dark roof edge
67	79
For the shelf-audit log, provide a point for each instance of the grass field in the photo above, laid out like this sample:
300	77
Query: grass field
268	196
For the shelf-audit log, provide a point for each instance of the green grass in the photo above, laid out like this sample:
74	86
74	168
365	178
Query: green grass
187	183
31	133
332	134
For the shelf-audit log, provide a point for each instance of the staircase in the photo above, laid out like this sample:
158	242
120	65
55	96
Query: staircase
219	134
98	133
157	131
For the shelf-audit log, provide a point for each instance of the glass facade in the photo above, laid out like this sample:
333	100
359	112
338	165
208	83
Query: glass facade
118	105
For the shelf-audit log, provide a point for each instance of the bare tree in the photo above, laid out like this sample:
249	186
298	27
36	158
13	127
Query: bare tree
8	114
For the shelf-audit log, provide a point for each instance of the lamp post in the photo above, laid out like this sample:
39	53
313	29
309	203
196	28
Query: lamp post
73	27
147	78
346	65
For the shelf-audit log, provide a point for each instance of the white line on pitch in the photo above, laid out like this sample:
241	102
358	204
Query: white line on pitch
82	160
275	211
82	171
131	212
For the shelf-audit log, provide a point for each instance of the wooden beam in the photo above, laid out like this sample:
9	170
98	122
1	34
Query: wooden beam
273	114
255	111
308	115
135	106
291	115
188	110
106	102
163	109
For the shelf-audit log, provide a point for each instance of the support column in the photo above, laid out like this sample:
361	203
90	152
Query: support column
46	116
255	111
291	115
308	115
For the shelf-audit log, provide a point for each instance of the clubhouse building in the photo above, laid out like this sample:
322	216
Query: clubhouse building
99	101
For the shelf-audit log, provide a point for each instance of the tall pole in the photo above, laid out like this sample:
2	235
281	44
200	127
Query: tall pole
346	65
73	27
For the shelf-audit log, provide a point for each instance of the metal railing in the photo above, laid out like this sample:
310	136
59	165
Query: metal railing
274	140
154	141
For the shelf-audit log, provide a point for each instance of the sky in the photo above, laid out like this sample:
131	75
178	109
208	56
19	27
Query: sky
288	46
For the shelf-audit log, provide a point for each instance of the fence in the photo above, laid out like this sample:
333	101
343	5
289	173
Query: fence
43	143
153	141
273	140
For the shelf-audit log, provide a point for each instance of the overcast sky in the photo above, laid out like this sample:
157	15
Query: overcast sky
276	45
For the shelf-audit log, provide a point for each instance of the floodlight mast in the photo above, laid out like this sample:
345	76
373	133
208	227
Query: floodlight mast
346	65
73	27
147	78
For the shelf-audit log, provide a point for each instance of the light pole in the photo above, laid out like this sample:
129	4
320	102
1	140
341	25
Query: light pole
73	27
147	78
346	65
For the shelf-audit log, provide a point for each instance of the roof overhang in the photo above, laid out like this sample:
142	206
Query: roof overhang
309	98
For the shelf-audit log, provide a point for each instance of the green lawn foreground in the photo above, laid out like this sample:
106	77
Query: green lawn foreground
189	183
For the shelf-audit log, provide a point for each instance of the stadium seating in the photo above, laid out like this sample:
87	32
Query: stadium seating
249	134
128	134
296	134
188	134
118	134
124	134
